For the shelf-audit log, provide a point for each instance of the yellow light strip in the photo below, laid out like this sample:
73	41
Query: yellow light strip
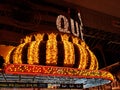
36	53
69	51
69	54
30	52
83	52
96	63
83	58
17	57
92	60
7	59
51	50
33	55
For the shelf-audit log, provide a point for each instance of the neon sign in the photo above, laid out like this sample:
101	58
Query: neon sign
63	25
26	69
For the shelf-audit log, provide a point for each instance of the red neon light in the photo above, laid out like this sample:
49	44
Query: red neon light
26	69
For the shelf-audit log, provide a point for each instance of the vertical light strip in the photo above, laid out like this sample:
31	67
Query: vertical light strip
33	55
7	59
88	59
17	57
36	53
69	54
83	53
96	63
92	60
83	58
51	50
69	51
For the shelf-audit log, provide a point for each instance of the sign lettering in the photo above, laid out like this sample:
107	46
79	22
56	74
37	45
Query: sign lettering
63	23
